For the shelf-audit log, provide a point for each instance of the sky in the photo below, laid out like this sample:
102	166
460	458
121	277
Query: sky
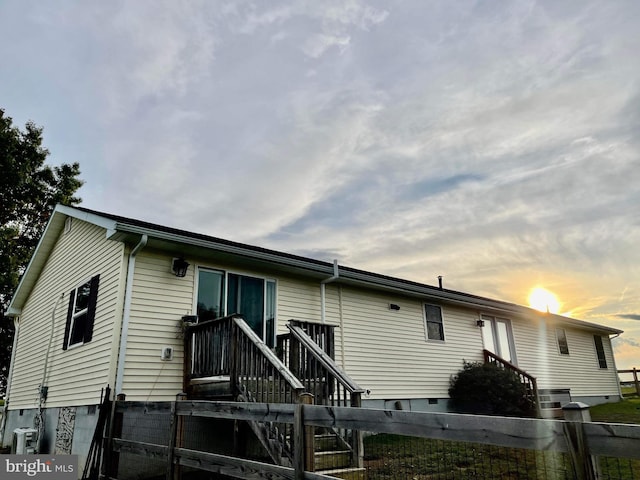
493	143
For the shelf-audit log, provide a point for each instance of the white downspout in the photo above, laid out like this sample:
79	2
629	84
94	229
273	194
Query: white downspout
122	352
323	302
615	367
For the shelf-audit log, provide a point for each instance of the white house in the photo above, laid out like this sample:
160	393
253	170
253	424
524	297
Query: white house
100	303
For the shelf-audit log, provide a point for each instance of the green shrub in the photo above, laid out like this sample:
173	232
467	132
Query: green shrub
487	389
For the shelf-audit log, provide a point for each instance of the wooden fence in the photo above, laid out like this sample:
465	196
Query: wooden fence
636	382
583	442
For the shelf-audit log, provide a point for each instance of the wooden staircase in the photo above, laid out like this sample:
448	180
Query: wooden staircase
332	457
225	358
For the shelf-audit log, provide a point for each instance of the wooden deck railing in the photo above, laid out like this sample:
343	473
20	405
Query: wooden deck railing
207	351
530	383
228	347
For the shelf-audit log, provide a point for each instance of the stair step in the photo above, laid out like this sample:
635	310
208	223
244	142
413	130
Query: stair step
332	460
346	473
325	442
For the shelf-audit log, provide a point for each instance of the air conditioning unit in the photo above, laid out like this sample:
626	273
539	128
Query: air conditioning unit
24	441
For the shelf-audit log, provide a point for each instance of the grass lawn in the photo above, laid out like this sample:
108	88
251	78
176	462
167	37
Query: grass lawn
628	391
626	411
390	457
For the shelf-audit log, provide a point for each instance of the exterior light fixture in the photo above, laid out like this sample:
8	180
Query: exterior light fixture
480	322
179	267
393	306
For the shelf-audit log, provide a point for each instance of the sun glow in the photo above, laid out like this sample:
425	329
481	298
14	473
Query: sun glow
543	300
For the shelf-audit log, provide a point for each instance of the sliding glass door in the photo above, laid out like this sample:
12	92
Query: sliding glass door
222	293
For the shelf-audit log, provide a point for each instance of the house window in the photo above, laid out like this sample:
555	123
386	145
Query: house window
210	295
563	345
81	313
223	293
433	322
602	360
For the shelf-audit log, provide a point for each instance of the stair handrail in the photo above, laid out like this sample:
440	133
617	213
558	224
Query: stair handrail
258	375
280	367
525	378
351	439
325	360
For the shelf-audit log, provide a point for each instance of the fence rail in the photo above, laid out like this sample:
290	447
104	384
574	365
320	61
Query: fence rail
583	443
636	382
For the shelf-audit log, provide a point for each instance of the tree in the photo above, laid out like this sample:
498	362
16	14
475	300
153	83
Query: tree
29	191
488	389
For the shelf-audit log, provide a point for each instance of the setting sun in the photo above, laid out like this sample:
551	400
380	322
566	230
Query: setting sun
543	300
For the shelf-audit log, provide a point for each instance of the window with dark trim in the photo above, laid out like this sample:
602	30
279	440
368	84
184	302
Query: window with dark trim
602	359
563	345
433	322
81	313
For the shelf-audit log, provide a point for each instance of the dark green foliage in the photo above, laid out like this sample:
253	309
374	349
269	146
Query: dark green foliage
487	389
29	190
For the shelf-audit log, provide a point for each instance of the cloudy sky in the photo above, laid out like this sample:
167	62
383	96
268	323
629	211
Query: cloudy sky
494	143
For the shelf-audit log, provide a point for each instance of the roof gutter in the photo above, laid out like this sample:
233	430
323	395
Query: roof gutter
323	300
267	256
122	352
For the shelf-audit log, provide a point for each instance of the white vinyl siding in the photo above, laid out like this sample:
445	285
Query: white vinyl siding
300	300
75	376
538	355
159	300
386	350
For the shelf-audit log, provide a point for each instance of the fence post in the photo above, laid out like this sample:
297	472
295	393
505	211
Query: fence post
111	458
356	435
585	465
635	381
176	435
303	449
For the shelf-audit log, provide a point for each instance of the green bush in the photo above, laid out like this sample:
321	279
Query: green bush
487	389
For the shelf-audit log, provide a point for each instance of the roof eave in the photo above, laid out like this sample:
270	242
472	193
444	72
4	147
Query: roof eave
45	245
365	279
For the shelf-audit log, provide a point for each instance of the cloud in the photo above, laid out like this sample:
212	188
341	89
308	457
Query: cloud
626	341
630	316
318	44
494	146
